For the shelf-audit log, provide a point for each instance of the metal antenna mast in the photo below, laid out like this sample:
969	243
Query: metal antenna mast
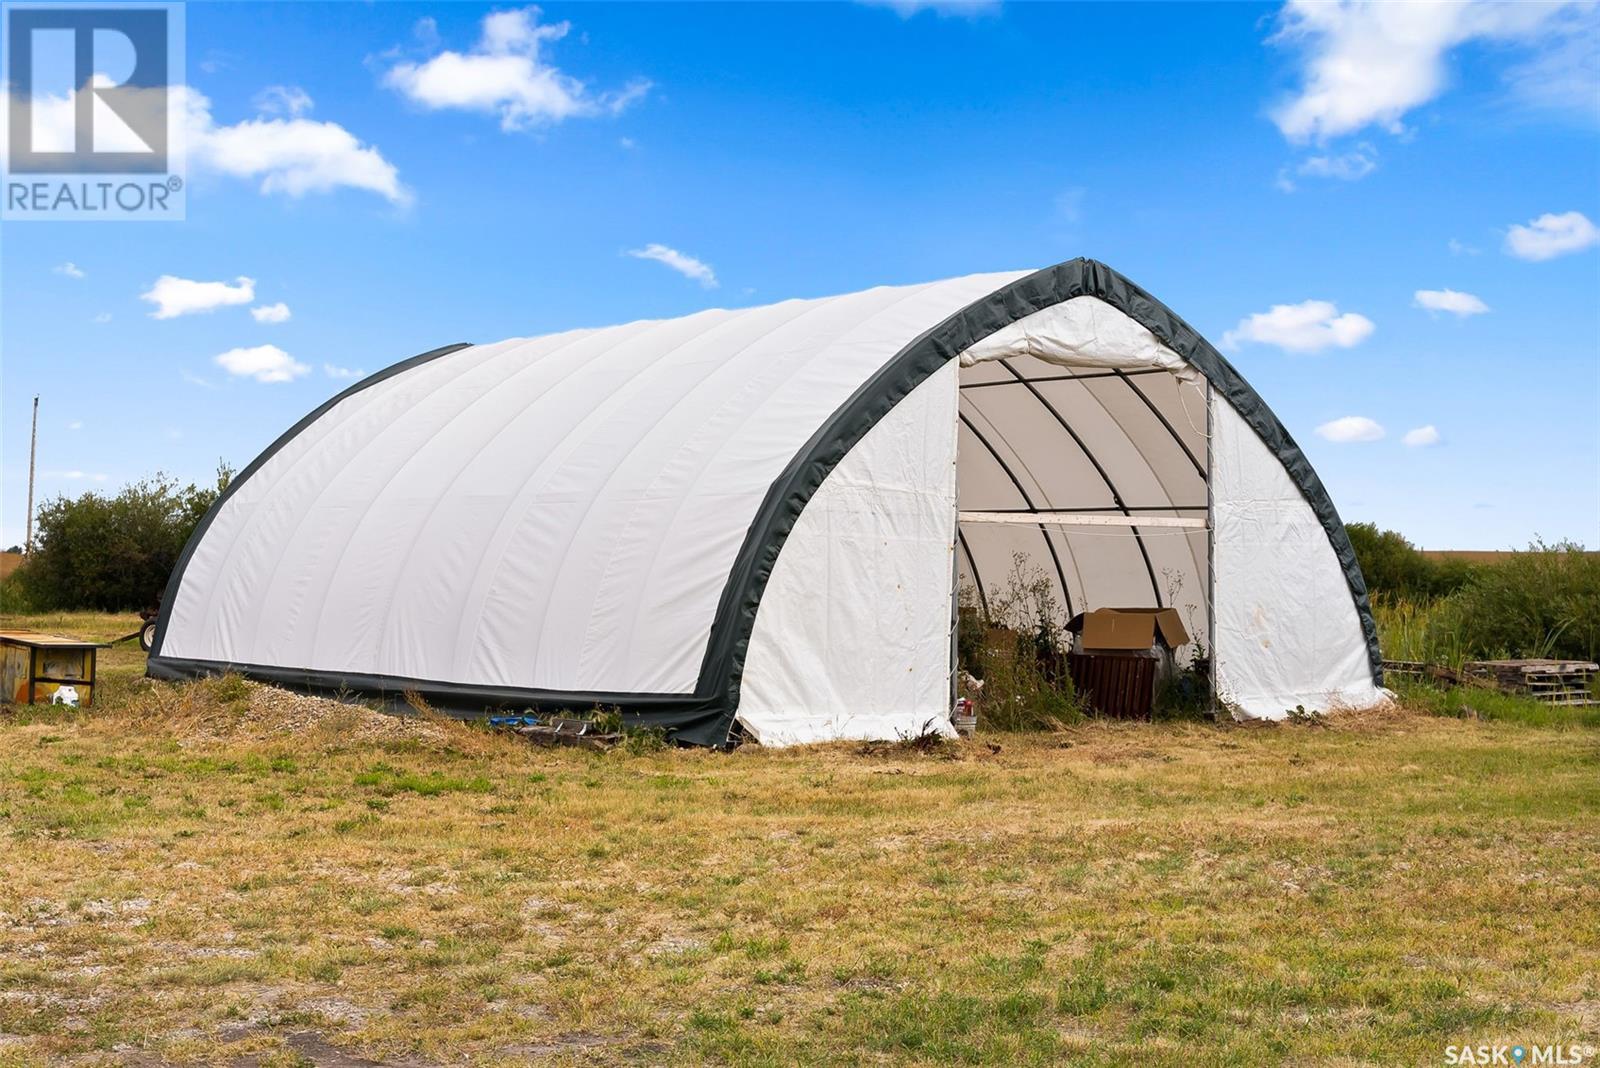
33	449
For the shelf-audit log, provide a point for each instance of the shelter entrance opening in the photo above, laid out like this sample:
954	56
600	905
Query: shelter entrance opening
1091	483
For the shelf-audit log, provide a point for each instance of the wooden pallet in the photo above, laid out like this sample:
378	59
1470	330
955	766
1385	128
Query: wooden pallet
1568	683
1417	669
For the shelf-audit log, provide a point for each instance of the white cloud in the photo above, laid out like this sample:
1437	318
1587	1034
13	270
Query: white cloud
286	151
271	313
1309	326
292	155
77	476
76	424
1422	436
283	100
1564	76
1346	167
103	317
1349	166
1371	61
1551	235
175	296
264	363
70	269
943	8
333	371
1351	428
195	380
1449	300
505	75
1459	248
426	31
684	264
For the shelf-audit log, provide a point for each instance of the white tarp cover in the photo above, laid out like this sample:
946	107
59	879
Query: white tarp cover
557	512
1286	629
853	636
1083	332
562	514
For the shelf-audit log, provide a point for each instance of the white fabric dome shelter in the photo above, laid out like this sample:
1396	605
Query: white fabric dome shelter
763	515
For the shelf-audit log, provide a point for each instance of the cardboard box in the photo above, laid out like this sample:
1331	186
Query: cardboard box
1121	630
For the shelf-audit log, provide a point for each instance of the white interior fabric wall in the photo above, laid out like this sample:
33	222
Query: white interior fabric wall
852	639
1287	632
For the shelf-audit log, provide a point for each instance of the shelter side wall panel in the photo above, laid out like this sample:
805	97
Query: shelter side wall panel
852	639
1287	631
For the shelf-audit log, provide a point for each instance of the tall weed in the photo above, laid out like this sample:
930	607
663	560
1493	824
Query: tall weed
1544	602
1019	653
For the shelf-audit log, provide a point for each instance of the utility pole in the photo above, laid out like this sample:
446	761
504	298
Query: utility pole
33	450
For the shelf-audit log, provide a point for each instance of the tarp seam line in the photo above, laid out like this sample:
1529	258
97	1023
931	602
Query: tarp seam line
350	539
421	529
169	595
845	338
472	610
281	483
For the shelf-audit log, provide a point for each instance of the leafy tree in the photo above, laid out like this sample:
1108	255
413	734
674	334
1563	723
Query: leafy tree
112	553
1392	565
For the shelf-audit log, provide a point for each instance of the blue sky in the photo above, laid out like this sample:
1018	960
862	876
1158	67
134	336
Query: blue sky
404	176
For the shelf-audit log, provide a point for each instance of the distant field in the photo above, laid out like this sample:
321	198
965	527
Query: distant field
1476	556
219	872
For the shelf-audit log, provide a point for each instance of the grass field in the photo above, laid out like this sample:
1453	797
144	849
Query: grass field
215	872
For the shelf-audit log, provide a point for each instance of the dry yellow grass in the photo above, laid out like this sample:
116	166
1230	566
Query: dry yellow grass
214	873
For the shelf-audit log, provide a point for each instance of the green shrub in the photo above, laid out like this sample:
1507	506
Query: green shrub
1185	694
109	553
1018	654
1542	602
14	595
1393	566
